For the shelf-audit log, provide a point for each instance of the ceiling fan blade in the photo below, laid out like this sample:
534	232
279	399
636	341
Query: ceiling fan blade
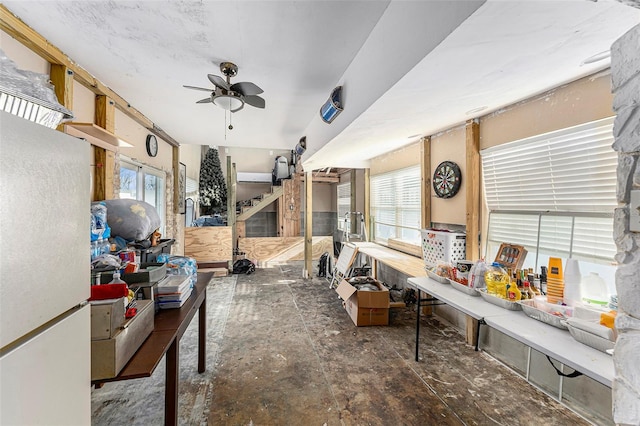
255	101
246	88
204	101
199	88
218	81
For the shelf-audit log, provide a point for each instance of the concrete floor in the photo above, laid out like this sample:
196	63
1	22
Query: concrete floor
282	351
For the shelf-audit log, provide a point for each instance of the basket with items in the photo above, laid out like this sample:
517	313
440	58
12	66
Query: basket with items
468	276
593	327
553	314
505	287
440	273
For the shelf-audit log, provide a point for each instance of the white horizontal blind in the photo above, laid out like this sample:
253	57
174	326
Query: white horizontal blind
344	202
555	193
395	205
191	187
568	170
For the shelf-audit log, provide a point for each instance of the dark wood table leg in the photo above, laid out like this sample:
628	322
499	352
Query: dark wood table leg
202	335
171	385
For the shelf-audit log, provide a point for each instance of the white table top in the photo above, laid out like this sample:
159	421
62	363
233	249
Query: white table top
549	340
556	343
475	307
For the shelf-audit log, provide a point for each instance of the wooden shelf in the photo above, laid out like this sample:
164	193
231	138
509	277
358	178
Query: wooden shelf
96	135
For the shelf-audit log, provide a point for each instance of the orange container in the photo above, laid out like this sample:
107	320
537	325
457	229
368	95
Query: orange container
555	269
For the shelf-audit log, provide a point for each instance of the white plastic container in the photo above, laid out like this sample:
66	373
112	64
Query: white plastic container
594	290
572	283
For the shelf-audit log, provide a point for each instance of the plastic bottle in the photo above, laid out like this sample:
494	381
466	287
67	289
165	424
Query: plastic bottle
94	249
116	278
496	279
513	292
106	247
528	290
594	290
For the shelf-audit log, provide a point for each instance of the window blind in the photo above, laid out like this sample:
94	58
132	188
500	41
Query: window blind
573	169
344	202
554	193
395	205
191	188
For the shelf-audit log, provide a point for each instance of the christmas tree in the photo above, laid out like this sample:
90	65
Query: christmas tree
213	187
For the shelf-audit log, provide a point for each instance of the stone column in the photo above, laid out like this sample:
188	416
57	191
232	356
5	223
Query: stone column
625	69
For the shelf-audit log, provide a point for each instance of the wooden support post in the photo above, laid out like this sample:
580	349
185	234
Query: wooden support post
231	202
471	330
230	208
425	191
104	160
281	205
425	181
367	203
175	166
308	225
289	208
99	175
352	207
105	113
473	189
241	229
62	80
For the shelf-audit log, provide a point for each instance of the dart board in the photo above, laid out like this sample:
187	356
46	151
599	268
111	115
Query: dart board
447	179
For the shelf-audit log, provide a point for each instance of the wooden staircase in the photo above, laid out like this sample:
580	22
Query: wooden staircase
259	204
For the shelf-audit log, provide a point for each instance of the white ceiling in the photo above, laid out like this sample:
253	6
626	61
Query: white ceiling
407	67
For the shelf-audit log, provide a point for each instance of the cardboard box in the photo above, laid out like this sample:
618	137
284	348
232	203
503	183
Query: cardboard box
365	307
109	356
107	317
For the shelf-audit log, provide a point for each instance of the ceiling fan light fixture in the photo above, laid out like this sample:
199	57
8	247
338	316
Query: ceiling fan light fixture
229	102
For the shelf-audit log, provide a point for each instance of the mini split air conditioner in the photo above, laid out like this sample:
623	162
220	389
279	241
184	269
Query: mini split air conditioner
248	177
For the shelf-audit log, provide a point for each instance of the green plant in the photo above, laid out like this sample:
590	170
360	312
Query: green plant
212	185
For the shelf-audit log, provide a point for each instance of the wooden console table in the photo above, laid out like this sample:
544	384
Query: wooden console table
169	326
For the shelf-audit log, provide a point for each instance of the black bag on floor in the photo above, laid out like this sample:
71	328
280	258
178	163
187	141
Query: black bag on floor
243	266
322	264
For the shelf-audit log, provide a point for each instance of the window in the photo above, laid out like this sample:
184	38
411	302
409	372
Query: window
555	194
143	183
396	204
344	203
192	198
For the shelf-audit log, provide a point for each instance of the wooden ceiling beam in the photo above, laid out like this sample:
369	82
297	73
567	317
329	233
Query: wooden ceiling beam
17	29
322	177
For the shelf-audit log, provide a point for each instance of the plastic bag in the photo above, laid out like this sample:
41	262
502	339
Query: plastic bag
243	266
180	265
99	227
476	275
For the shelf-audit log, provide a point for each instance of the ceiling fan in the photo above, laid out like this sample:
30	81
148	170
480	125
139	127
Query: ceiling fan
231	97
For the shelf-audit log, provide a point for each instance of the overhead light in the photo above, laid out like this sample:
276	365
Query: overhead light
301	146
473	111
597	57
228	102
333	107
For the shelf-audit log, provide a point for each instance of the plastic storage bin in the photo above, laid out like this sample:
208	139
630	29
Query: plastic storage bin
149	255
442	246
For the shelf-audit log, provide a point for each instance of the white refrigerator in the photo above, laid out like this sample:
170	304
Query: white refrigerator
45	341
